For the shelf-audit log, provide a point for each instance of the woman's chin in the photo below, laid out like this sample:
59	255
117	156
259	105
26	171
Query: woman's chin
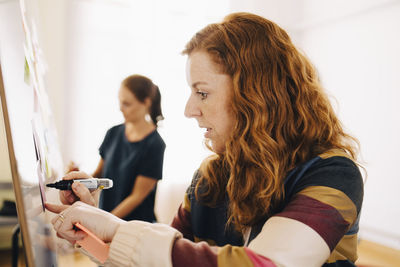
217	147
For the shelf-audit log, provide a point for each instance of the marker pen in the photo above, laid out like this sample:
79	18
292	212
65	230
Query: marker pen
90	183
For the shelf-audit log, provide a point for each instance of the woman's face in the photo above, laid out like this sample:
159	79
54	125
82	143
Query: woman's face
209	100
132	109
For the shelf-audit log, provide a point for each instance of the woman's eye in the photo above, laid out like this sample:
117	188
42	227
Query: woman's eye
202	95
125	105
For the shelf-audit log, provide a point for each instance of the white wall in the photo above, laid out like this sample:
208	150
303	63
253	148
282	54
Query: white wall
359	61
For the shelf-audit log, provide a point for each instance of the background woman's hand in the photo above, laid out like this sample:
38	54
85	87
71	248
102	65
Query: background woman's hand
101	223
79	191
72	167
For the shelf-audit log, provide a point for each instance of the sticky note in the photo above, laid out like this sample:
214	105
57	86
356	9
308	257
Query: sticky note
94	245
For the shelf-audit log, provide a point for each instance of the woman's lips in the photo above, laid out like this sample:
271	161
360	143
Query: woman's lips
207	134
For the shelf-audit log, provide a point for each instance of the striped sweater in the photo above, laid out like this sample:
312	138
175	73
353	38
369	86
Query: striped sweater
325	195
317	225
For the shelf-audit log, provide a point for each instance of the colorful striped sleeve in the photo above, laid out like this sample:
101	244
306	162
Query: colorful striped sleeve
328	211
185	252
316	227
310	227
181	221
319	224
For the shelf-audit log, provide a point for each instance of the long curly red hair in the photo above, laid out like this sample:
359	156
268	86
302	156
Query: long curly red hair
283	117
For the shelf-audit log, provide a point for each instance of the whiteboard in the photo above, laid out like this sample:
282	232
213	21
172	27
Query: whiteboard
33	149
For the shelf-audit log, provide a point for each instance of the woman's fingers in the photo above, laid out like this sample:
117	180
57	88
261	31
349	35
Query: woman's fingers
103	224
70	241
76	175
72	235
64	222
68	197
71	196
55	208
83	193
56	223
72	167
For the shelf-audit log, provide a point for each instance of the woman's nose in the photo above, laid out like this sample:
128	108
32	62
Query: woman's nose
191	109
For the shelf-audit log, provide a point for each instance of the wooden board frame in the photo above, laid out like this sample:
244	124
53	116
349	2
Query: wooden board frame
23	223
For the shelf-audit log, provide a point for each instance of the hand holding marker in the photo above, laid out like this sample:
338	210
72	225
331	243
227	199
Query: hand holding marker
91	183
91	243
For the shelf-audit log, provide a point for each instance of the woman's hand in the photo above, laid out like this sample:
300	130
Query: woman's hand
101	223
79	191
72	167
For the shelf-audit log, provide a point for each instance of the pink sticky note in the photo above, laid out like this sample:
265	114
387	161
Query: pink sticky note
94	245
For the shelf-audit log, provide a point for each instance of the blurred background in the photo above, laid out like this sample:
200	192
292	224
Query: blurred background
89	46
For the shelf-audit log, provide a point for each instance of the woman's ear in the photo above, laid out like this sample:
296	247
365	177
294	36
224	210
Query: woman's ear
148	103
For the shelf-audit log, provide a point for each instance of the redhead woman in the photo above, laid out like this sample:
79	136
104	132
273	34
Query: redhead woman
283	186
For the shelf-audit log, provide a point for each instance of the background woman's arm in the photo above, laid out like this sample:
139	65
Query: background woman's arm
141	189
97	173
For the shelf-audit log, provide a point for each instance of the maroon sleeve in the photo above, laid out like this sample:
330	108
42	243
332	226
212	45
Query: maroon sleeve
181	221
188	253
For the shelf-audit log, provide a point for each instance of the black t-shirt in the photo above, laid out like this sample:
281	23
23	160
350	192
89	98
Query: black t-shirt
123	162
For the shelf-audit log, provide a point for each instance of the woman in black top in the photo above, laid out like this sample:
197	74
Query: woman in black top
132	153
